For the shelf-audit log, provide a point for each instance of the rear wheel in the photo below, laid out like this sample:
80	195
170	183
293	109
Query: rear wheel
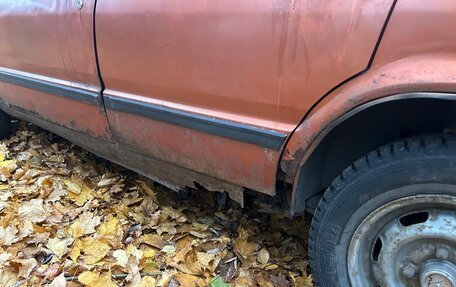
390	219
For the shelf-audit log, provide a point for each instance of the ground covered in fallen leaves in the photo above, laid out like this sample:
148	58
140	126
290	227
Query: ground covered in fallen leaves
69	218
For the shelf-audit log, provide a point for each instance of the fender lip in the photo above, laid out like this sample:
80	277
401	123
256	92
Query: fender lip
305	154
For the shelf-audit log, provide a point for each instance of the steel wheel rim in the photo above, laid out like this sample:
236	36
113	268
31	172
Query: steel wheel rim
407	242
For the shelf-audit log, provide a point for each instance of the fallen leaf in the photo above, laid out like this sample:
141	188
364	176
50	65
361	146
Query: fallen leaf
26	266
263	256
106	181
121	257
79	192
94	250
8	278
84	225
59	281
187	280
169	249
76	250
33	211
95	279
154	240
111	230
148	281
58	246
8	235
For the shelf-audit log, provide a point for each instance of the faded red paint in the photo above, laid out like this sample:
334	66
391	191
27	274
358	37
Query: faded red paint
52	41
49	38
218	157
76	115
264	63
417	53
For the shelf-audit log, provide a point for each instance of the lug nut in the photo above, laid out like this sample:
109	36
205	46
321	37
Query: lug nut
409	270
442	253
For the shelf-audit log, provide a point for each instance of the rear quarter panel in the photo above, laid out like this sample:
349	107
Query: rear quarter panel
417	53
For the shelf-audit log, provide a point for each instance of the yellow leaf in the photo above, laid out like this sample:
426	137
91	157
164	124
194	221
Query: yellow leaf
95	279
304	281
245	248
242	246
148	252
73	187
7	163
187	280
154	240
94	250
76	250
111	230
58	246
167	227
204	259
133	250
79	192
271	267
84	225
148	281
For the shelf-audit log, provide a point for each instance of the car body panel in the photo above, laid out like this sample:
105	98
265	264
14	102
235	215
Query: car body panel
417	54
47	48
261	64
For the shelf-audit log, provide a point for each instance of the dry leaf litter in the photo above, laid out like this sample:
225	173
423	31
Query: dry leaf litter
69	218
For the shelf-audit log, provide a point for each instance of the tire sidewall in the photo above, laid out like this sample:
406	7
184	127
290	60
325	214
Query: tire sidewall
366	191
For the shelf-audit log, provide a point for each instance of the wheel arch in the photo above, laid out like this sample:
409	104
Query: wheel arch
406	86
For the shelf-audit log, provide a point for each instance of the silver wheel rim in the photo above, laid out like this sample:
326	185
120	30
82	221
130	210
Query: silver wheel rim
407	242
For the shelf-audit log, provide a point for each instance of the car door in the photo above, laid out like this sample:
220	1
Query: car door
48	67
181	84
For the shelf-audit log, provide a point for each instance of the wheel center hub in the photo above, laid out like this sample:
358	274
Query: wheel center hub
438	274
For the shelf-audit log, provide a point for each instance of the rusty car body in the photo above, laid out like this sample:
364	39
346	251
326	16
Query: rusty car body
266	97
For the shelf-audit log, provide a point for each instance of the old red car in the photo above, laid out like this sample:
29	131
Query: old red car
345	109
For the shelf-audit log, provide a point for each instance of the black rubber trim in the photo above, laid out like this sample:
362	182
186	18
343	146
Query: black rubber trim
382	32
73	93
245	133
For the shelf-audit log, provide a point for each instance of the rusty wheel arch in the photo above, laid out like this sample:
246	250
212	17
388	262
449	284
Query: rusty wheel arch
292	170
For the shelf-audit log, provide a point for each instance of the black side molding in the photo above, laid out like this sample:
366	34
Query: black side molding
240	132
73	93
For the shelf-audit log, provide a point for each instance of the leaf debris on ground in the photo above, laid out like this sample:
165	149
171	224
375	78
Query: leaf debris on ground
69	218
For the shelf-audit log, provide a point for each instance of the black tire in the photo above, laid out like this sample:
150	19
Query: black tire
369	183
5	125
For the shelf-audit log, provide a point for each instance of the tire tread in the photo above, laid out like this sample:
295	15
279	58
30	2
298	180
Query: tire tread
421	144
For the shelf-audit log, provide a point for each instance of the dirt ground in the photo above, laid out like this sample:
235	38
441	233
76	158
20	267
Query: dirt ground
69	218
